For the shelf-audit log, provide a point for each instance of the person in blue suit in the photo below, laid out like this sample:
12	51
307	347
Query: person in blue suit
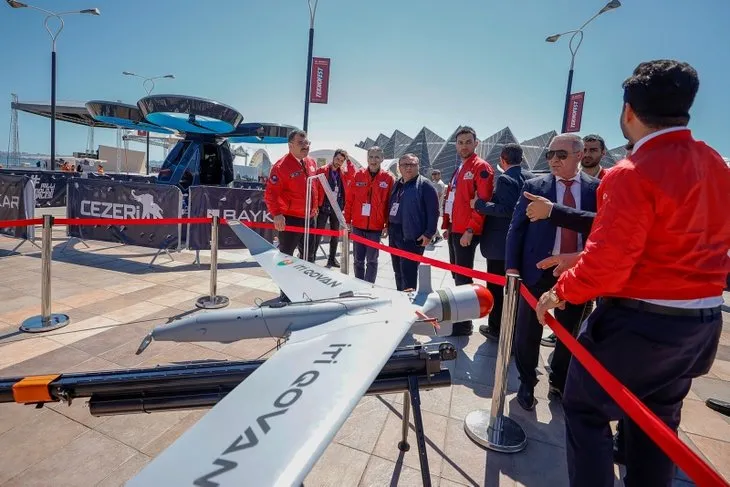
530	242
498	212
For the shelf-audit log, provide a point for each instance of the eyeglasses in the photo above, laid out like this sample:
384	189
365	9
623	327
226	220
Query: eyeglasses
561	154
302	143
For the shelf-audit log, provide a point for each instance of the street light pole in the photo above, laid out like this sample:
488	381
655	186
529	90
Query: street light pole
54	36
149	89
613	4
312	13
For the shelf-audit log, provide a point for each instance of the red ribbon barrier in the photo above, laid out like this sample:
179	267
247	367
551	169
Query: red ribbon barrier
20	223
492	278
665	438
673	447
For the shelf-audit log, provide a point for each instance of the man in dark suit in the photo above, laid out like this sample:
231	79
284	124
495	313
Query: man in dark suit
498	212
530	242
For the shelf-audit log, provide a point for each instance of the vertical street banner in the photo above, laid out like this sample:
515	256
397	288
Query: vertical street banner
246	205
319	84
17	202
101	198
575	111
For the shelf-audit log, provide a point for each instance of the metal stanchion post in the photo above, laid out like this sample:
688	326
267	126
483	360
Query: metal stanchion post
47	321
345	264
489	427
213	301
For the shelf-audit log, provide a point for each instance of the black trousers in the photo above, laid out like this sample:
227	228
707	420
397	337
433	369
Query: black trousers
406	270
495	317
656	357
463	256
528	333
322	218
291	241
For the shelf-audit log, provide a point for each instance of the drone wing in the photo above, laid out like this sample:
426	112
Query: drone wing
272	428
296	277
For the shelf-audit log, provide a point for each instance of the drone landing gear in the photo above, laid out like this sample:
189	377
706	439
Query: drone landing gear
412	398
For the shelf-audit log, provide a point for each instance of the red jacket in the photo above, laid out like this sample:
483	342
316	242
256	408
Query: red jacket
661	230
286	190
373	190
476	177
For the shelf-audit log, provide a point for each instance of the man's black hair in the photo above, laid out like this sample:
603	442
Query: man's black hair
295	133
466	130
661	92
512	153
594	138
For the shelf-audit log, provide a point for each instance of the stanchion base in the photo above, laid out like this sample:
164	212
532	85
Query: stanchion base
209	302
36	324
512	439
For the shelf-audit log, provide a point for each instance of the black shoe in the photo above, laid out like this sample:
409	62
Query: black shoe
548	341
489	332
722	407
462	328
526	397
333	263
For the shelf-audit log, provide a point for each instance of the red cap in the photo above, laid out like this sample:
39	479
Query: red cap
485	298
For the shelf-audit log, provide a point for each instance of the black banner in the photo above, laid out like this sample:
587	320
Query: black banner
246	205
101	198
134	178
16	203
50	186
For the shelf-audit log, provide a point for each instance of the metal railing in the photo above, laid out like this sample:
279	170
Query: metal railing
213	300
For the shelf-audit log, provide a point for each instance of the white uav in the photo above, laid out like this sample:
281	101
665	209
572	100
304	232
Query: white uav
272	428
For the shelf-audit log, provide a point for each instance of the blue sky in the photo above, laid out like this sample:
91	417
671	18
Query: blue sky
395	64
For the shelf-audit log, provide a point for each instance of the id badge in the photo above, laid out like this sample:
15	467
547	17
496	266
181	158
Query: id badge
366	209
449	204
394	209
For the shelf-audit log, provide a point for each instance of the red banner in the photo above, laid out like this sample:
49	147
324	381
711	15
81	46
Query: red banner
575	111
320	80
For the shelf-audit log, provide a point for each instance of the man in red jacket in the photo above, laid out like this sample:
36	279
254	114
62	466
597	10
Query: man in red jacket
462	224
286	193
657	259
366	212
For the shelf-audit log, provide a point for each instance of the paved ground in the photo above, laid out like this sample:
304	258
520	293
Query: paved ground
114	297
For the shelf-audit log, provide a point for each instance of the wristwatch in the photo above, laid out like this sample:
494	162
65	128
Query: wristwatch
554	296
469	230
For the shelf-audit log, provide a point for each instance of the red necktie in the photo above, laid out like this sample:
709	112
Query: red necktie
568	238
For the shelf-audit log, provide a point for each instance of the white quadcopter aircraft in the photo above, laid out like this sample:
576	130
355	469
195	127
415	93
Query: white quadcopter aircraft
273	427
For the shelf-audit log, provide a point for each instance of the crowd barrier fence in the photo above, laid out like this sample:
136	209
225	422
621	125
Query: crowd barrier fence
497	432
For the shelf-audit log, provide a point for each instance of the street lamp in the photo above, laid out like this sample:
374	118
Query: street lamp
312	13
54	36
613	4
148	89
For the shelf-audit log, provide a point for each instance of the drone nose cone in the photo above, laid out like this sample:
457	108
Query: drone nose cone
485	298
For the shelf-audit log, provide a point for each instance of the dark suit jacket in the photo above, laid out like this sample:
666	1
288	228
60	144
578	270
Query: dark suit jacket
499	211
571	218
529	243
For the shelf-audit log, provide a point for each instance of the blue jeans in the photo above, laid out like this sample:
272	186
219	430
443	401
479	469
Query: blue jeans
362	254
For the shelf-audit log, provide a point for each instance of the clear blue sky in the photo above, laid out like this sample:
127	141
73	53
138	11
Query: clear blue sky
395	64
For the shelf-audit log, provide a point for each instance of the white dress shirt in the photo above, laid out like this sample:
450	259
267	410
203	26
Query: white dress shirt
575	190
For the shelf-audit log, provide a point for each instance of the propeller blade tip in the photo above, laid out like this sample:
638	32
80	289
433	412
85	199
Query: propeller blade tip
145	343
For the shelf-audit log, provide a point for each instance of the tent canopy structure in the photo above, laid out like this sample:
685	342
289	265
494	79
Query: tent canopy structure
68	111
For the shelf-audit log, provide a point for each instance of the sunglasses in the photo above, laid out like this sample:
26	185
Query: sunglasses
560	154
